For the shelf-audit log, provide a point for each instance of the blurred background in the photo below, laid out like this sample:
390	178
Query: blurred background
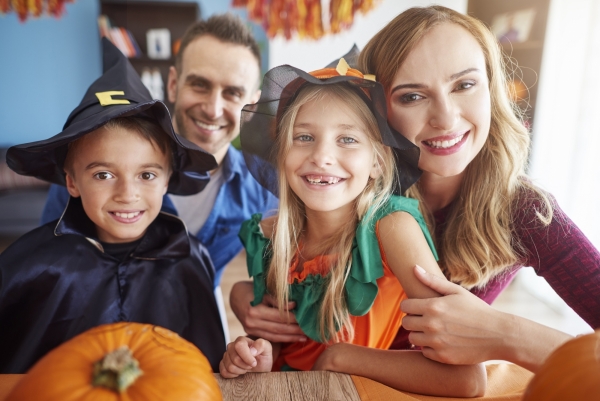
50	54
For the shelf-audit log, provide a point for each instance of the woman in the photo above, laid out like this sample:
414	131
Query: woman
446	87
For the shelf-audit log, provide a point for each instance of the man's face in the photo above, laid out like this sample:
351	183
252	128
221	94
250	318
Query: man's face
216	80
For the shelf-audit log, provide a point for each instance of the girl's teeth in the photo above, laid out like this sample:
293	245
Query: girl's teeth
127	215
320	180
445	144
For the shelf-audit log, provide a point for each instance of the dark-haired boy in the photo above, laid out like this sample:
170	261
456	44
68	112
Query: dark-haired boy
112	256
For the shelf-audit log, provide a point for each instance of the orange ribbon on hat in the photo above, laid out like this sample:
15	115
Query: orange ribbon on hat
342	69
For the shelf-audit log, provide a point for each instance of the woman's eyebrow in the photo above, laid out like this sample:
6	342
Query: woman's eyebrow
464	72
421	86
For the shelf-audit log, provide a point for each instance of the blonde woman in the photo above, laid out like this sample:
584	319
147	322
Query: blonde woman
444	78
341	246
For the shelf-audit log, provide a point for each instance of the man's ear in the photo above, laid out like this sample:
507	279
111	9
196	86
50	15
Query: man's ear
255	96
71	187
172	84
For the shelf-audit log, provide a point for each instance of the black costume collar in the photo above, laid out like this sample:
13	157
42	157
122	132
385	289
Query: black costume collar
165	238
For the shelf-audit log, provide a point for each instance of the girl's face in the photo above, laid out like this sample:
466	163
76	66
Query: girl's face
440	100
331	157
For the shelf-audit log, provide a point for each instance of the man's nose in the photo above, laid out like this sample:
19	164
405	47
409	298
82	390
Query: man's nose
213	105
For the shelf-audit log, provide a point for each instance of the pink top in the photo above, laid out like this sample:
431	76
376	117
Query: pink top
560	253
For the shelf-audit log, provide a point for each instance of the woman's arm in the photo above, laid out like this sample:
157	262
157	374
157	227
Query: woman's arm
460	328
263	320
405	370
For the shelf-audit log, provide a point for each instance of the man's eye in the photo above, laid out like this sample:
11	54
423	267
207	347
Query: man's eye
147	176
103	175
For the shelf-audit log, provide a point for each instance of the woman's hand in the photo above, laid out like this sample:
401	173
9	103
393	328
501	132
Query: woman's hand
263	320
459	328
246	355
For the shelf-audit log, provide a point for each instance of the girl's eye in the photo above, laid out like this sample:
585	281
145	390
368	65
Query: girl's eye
103	175
465	85
410	97
348	140
303	138
147	176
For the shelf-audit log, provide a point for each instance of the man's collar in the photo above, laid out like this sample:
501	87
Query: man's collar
233	163
165	238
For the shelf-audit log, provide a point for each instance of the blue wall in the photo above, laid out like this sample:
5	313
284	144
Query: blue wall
46	65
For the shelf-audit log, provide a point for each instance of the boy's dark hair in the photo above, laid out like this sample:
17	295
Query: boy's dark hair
144	127
227	28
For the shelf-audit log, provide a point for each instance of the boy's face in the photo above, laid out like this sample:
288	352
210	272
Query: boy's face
121	178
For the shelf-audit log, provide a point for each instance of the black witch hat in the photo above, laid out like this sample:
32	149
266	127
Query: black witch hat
280	87
119	92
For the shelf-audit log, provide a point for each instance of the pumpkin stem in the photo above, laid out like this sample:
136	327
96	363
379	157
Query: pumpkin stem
117	370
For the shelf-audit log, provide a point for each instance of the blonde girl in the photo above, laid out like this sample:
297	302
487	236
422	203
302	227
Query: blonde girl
342	247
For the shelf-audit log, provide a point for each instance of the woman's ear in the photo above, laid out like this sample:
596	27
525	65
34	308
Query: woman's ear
72	186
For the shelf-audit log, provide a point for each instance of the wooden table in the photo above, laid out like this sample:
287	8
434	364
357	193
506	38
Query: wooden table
292	386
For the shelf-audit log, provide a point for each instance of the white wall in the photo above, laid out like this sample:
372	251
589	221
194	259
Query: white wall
566	138
311	55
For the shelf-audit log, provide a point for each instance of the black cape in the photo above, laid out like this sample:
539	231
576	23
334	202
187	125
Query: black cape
56	282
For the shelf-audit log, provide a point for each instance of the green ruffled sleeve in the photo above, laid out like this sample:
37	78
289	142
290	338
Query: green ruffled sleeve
367	267
258	255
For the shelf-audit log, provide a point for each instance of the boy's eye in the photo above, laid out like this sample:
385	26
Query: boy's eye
103	175
147	176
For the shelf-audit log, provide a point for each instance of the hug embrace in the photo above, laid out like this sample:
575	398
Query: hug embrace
443	78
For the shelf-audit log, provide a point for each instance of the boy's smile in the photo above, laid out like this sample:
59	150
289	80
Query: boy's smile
121	178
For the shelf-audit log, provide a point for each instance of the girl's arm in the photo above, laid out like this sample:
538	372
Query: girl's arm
246	355
460	328
405	370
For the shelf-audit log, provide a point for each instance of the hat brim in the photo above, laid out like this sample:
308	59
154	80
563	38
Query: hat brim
45	159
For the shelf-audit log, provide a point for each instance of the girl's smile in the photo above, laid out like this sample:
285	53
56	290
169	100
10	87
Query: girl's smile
331	158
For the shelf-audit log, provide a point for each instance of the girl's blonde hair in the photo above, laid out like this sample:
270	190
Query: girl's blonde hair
335	324
478	241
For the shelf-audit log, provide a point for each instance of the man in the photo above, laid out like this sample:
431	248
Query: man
216	72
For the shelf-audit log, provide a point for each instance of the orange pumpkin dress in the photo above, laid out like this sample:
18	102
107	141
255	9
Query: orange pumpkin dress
373	293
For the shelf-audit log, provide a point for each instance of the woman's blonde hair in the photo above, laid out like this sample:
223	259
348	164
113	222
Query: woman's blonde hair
478	241
335	324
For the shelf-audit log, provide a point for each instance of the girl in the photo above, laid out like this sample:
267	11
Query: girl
444	79
341	246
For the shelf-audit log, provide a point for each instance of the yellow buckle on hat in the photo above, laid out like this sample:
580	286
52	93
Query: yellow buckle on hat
106	99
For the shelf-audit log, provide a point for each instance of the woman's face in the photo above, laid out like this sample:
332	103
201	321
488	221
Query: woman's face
440	100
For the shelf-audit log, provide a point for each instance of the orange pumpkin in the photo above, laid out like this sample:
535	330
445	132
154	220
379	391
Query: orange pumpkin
572	372
121	361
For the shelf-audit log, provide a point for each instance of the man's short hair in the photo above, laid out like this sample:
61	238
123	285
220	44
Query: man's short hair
227	28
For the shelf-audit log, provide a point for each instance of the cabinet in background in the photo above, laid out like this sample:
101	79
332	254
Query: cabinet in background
140	16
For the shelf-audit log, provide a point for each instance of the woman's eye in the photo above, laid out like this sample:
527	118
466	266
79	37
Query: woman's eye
348	140
410	97
147	176
465	85
103	175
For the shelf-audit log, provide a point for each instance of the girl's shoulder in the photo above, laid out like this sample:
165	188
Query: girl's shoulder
395	203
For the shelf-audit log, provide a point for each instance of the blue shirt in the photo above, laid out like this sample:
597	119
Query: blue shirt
238	199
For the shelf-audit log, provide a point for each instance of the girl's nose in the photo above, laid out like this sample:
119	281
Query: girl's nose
444	114
323	154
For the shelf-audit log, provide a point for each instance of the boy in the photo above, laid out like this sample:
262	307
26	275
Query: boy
112	256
